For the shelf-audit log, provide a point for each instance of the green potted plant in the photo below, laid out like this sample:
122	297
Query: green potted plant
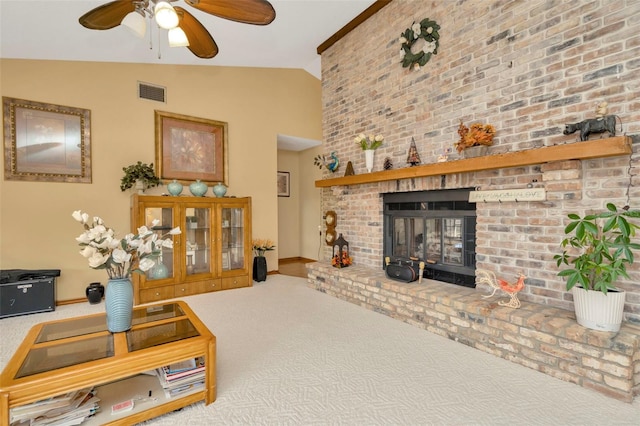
600	246
141	175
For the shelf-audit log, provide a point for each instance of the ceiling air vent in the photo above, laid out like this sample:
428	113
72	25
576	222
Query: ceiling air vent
151	92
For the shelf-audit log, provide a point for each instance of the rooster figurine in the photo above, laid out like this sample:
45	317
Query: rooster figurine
488	277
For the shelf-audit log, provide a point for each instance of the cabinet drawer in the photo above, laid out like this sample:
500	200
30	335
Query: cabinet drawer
213	285
155	294
235	282
187	289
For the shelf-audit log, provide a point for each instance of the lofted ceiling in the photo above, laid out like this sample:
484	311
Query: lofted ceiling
49	30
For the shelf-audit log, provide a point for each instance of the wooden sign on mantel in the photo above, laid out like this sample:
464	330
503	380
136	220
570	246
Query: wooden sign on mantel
506	195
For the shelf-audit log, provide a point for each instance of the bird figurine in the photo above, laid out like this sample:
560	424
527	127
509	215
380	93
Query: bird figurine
512	290
333	163
330	164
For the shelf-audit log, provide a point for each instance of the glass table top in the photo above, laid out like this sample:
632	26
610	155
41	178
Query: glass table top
88	325
84	339
49	358
155	335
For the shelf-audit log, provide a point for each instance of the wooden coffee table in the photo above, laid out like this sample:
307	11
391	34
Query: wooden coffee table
61	356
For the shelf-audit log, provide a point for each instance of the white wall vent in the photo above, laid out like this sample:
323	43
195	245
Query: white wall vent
152	92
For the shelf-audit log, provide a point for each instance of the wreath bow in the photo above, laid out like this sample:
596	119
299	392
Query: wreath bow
426	30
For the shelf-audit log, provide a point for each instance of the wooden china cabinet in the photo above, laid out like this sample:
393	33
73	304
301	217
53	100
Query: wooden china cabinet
212	253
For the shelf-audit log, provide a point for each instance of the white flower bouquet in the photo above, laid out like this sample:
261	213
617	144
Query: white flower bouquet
369	142
120	257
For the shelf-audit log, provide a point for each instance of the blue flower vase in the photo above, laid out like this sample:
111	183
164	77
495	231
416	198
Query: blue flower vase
119	304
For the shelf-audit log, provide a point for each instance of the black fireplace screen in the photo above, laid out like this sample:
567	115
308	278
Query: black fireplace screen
438	227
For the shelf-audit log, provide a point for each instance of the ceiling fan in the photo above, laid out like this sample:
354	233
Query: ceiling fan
184	28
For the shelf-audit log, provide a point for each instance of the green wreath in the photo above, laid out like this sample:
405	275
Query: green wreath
426	30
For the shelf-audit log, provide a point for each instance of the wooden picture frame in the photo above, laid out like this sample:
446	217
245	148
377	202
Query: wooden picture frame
46	142
284	184
191	148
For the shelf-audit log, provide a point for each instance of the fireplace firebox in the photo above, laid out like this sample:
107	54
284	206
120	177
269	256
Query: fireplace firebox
437	227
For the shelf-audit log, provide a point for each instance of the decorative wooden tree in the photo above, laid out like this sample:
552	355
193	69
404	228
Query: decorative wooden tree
413	158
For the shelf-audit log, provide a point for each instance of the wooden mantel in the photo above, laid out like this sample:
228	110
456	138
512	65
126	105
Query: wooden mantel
600	148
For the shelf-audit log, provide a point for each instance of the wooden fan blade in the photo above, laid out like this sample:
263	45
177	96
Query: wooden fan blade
201	43
107	16
257	12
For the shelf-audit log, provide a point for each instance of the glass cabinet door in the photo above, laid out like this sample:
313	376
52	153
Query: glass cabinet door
232	238
197	234
164	264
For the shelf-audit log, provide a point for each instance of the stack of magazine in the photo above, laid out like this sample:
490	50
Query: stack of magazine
69	409
182	377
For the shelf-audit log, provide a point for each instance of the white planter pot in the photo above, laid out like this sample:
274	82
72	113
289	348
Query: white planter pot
140	186
598	311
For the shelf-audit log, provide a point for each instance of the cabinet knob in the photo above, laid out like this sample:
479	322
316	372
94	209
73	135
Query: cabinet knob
157	294
182	289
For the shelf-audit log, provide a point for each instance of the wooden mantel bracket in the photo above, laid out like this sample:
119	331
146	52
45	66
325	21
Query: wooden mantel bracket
599	148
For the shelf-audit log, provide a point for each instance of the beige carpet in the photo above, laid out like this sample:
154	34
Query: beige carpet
289	355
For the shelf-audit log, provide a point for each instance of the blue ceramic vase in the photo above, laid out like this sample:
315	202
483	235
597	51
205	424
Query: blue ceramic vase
174	188
198	188
158	271
118	299
219	190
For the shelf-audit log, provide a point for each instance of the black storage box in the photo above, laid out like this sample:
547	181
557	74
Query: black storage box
27	291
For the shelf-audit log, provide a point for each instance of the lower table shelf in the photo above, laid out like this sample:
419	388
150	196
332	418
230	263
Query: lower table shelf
138	388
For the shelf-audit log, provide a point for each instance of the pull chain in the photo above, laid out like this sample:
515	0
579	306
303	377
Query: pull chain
630	184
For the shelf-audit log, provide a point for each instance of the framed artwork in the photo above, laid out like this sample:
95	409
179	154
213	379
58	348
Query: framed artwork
46	142
190	148
283	184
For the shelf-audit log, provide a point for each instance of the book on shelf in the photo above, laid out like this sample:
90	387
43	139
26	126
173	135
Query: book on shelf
181	366
173	392
68	409
181	369
179	378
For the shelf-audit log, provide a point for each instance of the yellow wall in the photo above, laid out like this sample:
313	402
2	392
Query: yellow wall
36	228
310	204
299	214
289	207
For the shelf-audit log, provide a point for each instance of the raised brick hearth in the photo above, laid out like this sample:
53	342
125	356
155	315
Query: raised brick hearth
540	337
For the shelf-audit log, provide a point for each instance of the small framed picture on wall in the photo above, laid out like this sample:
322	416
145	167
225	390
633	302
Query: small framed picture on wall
284	184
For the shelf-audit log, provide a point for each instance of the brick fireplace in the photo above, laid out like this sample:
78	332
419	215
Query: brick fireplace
542	338
528	68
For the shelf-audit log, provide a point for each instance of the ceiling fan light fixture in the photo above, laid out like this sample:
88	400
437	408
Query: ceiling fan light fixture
136	23
177	38
165	15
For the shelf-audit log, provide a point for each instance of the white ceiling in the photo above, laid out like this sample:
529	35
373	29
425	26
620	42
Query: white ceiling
49	29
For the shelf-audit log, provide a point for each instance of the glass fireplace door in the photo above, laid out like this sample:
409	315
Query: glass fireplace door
408	237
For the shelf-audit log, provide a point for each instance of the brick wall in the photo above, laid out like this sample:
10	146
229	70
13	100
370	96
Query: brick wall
527	67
